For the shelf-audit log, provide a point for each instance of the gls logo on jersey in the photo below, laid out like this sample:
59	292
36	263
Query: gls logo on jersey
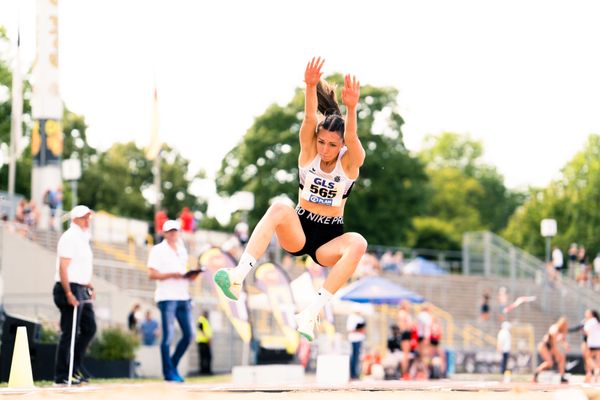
324	183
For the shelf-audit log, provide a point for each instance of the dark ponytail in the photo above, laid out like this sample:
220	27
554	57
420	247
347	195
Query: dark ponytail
327	101
328	106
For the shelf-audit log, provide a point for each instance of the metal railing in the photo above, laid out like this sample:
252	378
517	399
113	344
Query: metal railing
489	255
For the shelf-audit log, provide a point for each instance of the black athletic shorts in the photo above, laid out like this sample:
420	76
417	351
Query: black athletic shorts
318	230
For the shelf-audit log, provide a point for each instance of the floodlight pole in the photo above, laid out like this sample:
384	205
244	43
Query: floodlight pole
74	192
548	228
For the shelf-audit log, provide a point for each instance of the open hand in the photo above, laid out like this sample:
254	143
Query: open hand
313	73
351	91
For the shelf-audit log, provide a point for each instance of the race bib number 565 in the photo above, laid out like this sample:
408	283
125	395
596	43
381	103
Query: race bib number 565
322	191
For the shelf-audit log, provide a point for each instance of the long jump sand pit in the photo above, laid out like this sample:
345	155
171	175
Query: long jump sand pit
438	390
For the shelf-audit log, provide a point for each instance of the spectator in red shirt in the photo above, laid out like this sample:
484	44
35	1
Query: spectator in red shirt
187	220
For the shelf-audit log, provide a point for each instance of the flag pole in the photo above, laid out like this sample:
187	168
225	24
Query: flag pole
156	170
16	117
154	149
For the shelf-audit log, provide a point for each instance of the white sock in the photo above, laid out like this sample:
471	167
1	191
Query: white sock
321	299
247	262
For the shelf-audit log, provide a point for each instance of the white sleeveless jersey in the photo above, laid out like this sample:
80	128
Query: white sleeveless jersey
320	187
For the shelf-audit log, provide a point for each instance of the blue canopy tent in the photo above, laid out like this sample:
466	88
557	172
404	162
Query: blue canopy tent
421	266
377	290
382	292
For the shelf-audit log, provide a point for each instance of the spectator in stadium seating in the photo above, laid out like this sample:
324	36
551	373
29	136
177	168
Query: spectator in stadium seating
424	321
405	325
372	364
53	199
583	269
387	262
32	219
581	255
484	310
399	260
187	220
393	343
437	368
367	266
557	259
392	360
21	228
572	253
20	211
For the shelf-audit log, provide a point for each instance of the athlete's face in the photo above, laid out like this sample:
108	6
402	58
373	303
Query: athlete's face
329	144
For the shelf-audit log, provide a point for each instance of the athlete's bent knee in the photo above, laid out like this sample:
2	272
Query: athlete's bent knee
358	244
279	210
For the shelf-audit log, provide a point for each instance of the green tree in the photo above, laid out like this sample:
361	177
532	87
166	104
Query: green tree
466	192
452	150
572	201
176	183
523	228
75	140
496	203
5	90
23	165
114	181
580	189
453	200
432	233
385	197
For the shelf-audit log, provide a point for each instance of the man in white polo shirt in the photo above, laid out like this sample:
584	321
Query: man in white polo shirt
73	288
167	265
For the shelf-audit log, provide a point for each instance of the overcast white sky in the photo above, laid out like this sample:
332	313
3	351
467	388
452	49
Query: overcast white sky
521	76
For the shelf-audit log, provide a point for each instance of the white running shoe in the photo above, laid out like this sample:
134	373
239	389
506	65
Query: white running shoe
305	324
228	283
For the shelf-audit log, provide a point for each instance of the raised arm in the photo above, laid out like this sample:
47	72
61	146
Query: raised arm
350	97
312	76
